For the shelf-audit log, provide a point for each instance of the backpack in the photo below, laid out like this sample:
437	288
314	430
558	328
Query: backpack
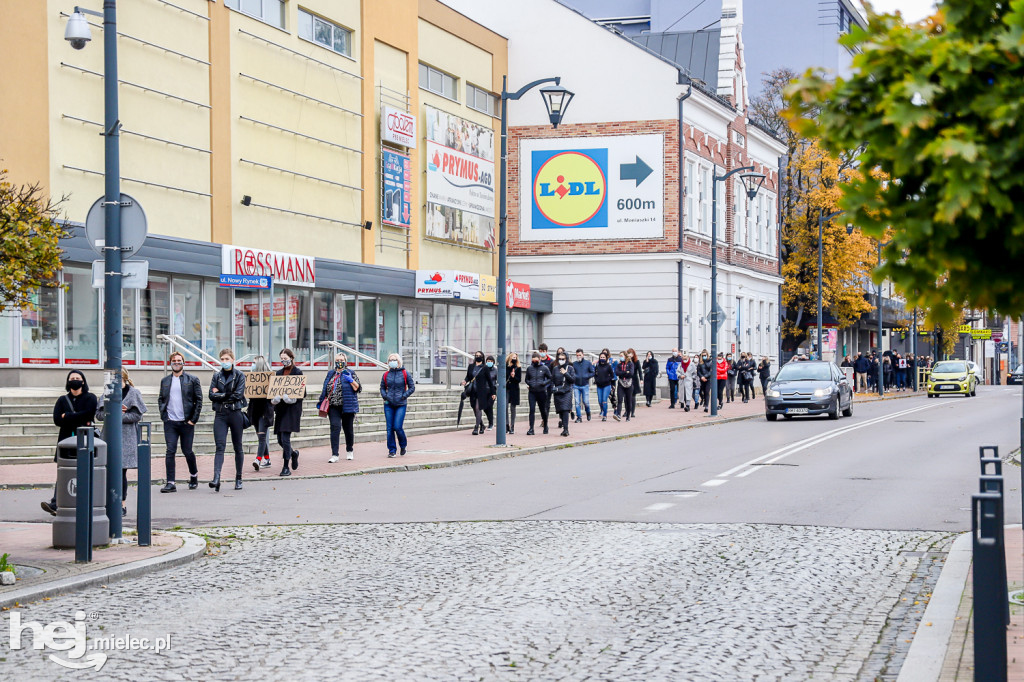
384	380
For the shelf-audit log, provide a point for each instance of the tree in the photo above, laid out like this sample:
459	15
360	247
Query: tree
30	228
936	107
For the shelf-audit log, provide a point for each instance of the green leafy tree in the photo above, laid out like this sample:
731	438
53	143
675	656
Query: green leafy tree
937	110
30	228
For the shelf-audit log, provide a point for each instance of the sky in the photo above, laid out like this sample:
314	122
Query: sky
912	10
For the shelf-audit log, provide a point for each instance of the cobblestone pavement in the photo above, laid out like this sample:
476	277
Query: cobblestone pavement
509	601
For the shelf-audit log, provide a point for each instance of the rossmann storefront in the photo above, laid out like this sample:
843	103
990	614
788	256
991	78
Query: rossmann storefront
374	310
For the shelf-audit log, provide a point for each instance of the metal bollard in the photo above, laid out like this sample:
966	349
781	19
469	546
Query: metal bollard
83	496
989	593
988	451
144	497
995	463
994	484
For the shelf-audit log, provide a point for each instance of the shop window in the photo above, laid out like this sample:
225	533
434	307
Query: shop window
345	322
218	319
294	307
188	313
325	33
457	333
440	335
517	337
323	313
81	318
40	328
438	82
129	346
267	11
154	320
8	319
246	326
474	330
387	333
531	334
368	328
490	327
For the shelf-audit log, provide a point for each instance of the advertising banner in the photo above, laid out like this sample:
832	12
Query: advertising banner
397	127
448	284
460	180
488	288
582	188
396	181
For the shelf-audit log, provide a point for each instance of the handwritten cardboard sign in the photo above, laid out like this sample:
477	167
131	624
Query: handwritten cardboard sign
256	384
284	386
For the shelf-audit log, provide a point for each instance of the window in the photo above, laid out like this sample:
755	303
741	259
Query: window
322	325
269	11
7	343
40	326
691	175
741	213
128	327
81	318
368	329
481	100
219	332
154	320
438	81
704	190
457	333
325	33
692	314
770	220
246	326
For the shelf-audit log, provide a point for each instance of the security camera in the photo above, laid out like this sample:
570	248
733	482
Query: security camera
77	32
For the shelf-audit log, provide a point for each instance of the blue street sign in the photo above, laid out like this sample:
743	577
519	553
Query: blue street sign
245	281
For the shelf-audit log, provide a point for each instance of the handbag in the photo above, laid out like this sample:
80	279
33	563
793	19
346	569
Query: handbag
325	405
246	422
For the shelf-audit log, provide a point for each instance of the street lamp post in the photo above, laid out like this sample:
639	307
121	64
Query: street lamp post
821	265
749	178
556	99
77	33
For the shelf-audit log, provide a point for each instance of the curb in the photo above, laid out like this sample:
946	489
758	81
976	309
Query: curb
192	547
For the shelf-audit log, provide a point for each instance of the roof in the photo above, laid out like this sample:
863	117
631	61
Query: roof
696	52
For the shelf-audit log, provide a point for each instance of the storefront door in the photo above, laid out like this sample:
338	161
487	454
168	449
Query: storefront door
416	341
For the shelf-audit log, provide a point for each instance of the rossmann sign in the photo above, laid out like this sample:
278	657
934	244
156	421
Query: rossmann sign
285	268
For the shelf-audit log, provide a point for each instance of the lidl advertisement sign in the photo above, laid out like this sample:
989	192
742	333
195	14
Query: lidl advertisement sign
592	188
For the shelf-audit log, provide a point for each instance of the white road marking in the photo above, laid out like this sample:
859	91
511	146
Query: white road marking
783	452
714	481
660	506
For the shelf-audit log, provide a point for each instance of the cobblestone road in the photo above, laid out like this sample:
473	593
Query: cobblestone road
509	601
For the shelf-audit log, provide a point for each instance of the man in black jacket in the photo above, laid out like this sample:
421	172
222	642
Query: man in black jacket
180	402
538	380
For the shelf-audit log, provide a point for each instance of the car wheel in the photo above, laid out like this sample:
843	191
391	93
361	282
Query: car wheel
848	412
771	417
833	413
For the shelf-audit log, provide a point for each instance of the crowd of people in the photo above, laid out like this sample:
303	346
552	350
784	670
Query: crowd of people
897	369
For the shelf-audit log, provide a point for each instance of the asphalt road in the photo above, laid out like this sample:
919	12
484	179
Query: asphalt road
908	464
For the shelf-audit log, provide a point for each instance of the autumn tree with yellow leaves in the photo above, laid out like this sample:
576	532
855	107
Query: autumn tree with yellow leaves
30	228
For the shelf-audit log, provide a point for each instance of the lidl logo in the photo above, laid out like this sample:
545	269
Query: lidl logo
570	188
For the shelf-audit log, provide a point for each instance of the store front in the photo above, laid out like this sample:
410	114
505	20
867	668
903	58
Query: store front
371	309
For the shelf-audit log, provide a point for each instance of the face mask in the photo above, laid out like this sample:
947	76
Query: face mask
490	364
478	359
536	363
339	365
393	364
622	358
704	357
729	358
287	362
175	366
75	384
226	366
561	361
603	361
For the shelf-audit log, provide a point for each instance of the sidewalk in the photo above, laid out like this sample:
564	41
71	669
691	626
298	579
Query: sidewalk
449	448
44	572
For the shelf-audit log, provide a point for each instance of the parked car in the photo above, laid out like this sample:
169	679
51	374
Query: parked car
952	377
1016	377
809	388
978	370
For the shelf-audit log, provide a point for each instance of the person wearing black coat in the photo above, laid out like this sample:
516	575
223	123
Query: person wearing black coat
480	389
705	375
538	383
638	379
513	378
227	393
261	417
604	380
562	381
74	409
764	372
651	370
287	415
626	375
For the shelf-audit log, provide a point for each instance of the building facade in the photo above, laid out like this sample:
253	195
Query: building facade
315	142
612	211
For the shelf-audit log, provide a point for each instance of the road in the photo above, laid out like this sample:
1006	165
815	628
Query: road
753	550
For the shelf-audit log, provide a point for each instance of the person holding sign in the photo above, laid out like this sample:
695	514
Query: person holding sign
261	414
227	393
287	402
340	391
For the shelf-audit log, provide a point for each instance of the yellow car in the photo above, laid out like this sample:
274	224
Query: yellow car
952	377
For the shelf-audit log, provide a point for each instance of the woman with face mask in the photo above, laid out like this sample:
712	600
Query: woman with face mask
687	373
513	379
731	377
74	409
396	385
705	375
341	390
132	409
651	372
261	416
562	380
638	379
538	383
627	399
480	389
604	379
287	415
227	394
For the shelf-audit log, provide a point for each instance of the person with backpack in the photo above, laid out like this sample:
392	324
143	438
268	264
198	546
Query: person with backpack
287	415
341	391
396	385
584	371
480	389
538	383
604	379
671	371
227	394
625	375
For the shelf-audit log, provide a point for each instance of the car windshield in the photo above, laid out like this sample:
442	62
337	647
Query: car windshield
805	371
949	367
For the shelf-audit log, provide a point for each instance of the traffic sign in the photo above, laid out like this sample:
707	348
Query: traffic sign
997	335
246	281
134	274
133	226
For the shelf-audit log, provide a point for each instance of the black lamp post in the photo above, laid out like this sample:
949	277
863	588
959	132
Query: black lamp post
821	260
752	183
77	33
556	100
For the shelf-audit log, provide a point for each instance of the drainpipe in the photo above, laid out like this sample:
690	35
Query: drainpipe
682	204
778	255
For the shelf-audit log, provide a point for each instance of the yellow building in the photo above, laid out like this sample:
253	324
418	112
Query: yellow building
252	137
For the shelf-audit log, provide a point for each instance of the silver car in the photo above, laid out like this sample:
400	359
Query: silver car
809	388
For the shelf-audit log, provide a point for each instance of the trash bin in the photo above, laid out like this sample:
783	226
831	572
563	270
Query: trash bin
67	494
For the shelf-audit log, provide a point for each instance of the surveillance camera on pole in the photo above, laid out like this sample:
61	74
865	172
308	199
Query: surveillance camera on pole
77	32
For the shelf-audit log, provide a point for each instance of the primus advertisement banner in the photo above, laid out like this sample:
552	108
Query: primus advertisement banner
460	180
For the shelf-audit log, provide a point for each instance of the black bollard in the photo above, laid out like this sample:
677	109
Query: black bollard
994	484
144	497
987	451
995	463
989	594
83	496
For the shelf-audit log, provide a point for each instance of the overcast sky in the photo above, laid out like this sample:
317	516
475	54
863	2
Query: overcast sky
913	10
